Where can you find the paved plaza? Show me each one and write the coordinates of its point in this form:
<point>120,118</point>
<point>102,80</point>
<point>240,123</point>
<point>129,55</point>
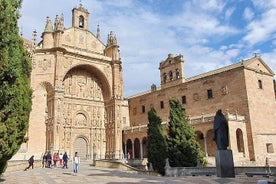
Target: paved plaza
<point>97,175</point>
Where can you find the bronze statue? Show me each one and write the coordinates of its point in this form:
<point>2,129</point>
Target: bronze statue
<point>221,131</point>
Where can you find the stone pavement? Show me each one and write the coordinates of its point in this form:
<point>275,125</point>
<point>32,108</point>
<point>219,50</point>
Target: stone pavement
<point>90,174</point>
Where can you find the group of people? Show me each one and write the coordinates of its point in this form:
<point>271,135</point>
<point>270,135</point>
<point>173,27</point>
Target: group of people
<point>51,161</point>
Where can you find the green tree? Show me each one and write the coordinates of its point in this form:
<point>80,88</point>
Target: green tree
<point>183,149</point>
<point>156,142</point>
<point>15,91</point>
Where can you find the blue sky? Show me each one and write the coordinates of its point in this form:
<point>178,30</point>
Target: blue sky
<point>209,33</point>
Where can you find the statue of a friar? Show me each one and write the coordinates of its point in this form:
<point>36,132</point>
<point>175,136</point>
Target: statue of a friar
<point>221,131</point>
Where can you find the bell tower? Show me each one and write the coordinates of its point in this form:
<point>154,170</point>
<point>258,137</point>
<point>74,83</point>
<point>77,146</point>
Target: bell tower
<point>172,71</point>
<point>80,17</point>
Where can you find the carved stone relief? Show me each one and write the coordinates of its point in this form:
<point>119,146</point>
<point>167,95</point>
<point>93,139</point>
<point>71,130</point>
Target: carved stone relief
<point>80,83</point>
<point>224,90</point>
<point>196,96</point>
<point>80,120</point>
<point>41,64</point>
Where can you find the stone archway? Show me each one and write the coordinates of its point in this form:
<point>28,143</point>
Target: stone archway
<point>129,149</point>
<point>200,140</point>
<point>212,147</point>
<point>144,147</point>
<point>80,146</point>
<point>137,148</point>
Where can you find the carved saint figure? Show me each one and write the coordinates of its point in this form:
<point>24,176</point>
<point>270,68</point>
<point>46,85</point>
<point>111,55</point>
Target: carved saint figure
<point>221,131</point>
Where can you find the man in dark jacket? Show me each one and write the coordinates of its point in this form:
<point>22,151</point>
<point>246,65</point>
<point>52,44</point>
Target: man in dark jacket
<point>65,160</point>
<point>31,163</point>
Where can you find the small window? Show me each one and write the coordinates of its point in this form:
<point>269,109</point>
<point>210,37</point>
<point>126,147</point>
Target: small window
<point>177,73</point>
<point>162,105</point>
<point>171,75</point>
<point>260,84</point>
<point>209,93</point>
<point>183,99</point>
<point>165,77</point>
<point>143,109</point>
<point>269,148</point>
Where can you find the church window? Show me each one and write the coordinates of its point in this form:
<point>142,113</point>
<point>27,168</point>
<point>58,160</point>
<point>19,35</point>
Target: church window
<point>165,77</point>
<point>184,100</point>
<point>135,111</point>
<point>143,109</point>
<point>240,142</point>
<point>209,93</point>
<point>269,148</point>
<point>260,84</point>
<point>162,104</point>
<point>81,21</point>
<point>171,75</point>
<point>177,73</point>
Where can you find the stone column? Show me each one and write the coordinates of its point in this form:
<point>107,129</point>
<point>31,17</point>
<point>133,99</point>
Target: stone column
<point>125,148</point>
<point>141,150</point>
<point>205,145</point>
<point>133,150</point>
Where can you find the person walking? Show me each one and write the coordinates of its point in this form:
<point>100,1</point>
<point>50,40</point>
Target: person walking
<point>49,159</point>
<point>55,159</point>
<point>31,163</point>
<point>44,160</point>
<point>65,160</point>
<point>76,162</point>
<point>60,159</point>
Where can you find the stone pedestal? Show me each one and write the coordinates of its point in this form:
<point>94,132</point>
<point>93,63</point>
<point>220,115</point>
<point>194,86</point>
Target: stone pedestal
<point>224,164</point>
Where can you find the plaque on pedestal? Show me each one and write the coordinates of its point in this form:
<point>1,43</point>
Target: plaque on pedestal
<point>224,164</point>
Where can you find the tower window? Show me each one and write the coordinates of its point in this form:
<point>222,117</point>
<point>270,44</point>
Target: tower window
<point>81,21</point>
<point>177,73</point>
<point>184,100</point>
<point>171,75</point>
<point>162,104</point>
<point>209,93</point>
<point>165,77</point>
<point>260,84</point>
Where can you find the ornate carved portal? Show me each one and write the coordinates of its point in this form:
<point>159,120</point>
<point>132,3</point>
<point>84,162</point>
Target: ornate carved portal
<point>84,115</point>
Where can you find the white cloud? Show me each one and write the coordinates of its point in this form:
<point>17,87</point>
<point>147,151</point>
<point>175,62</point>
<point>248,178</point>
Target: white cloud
<point>209,5</point>
<point>270,59</point>
<point>248,14</point>
<point>261,30</point>
<point>229,12</point>
<point>146,35</point>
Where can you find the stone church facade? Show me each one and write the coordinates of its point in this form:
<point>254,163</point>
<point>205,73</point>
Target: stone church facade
<point>77,87</point>
<point>78,102</point>
<point>245,93</point>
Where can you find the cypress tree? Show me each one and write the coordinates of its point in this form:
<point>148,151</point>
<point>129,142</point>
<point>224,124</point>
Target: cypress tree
<point>183,149</point>
<point>156,142</point>
<point>15,91</point>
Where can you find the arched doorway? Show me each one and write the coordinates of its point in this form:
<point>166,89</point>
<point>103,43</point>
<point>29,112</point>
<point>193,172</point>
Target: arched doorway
<point>200,139</point>
<point>80,146</point>
<point>129,149</point>
<point>212,147</point>
<point>137,148</point>
<point>144,147</point>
